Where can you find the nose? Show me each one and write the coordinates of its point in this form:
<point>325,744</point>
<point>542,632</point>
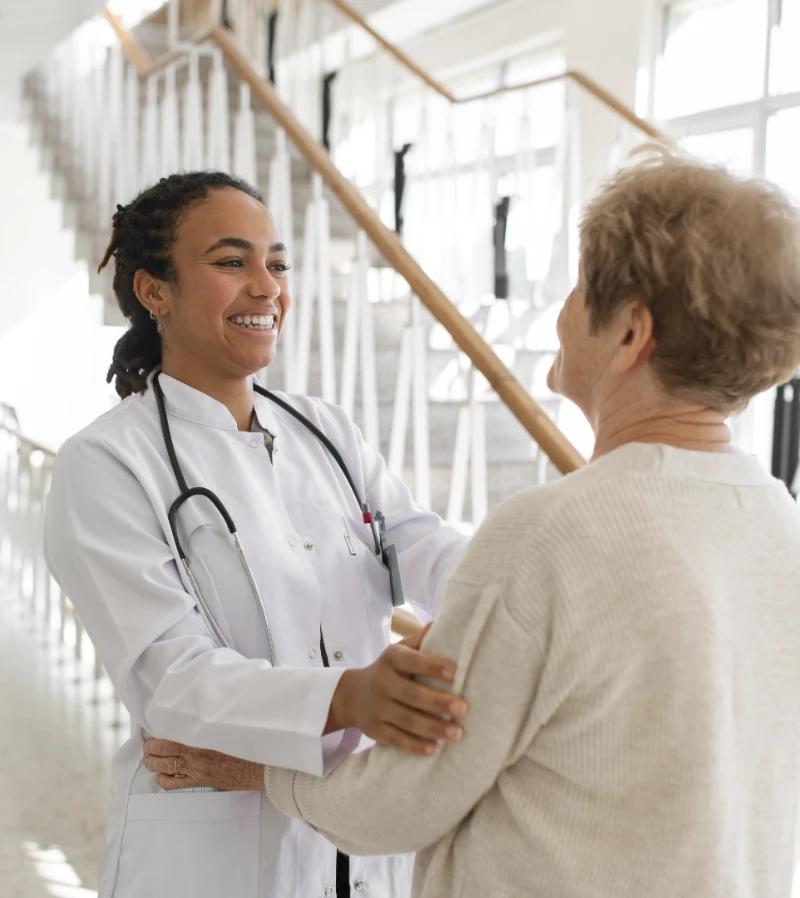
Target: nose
<point>264,284</point>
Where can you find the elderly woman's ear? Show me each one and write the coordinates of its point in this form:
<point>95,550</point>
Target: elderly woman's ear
<point>635,335</point>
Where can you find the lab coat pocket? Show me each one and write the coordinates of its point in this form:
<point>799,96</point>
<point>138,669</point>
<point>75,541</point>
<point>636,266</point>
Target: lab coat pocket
<point>373,576</point>
<point>190,845</point>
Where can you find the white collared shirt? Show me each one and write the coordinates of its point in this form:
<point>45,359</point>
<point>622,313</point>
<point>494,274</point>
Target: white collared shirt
<point>108,543</point>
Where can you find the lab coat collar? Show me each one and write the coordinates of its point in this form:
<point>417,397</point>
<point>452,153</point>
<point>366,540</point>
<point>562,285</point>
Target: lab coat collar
<point>265,414</point>
<point>193,405</point>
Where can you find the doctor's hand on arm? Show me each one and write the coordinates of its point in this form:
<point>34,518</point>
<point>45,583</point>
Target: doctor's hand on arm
<point>381,700</point>
<point>386,704</point>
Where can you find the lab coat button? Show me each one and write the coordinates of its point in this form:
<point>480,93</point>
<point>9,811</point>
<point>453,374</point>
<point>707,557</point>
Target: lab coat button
<point>292,540</point>
<point>338,656</point>
<point>254,444</point>
<point>312,653</point>
<point>309,546</point>
<point>358,885</point>
<point>328,892</point>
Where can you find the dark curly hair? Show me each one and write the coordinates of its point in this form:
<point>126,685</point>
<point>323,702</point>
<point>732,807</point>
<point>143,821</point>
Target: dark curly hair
<point>142,237</point>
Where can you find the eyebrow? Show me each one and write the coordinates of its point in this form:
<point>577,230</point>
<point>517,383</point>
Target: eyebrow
<point>241,243</point>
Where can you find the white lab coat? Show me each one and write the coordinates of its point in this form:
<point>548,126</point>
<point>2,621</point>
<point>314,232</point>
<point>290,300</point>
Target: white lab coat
<point>108,544</point>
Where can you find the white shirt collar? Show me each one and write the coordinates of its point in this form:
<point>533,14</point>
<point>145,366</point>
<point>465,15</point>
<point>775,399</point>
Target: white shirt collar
<point>193,405</point>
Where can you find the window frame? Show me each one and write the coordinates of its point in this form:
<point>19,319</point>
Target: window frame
<point>753,114</point>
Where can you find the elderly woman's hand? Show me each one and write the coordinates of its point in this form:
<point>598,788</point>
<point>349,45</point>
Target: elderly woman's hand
<point>180,767</point>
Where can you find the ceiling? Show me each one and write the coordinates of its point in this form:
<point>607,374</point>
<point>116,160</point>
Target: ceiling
<point>29,29</point>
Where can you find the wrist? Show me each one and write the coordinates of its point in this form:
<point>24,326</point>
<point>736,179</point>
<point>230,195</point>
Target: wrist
<point>340,713</point>
<point>257,774</point>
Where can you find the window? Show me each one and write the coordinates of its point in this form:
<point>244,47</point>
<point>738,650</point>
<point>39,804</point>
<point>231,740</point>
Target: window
<point>733,148</point>
<point>784,72</point>
<point>728,86</point>
<point>714,55</point>
<point>783,151</point>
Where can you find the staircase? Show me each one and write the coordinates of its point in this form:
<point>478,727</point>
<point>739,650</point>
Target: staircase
<point>512,460</point>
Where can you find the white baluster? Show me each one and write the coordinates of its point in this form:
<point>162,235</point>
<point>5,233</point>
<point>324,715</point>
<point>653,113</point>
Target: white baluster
<point>105,150</point>
<point>352,327</point>
<point>279,202</point>
<point>306,302</point>
<point>150,161</point>
<point>283,49</point>
<point>126,140</point>
<point>94,122</point>
<point>62,616</point>
<point>422,460</point>
<point>402,397</point>
<point>218,141</point>
<point>370,424</point>
<point>541,467</point>
<point>575,190</point>
<point>327,335</point>
<point>193,156</point>
<point>244,164</point>
<point>478,472</point>
<point>460,468</point>
<point>173,23</point>
<point>169,162</point>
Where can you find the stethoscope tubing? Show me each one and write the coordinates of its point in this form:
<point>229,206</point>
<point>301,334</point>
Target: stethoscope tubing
<point>172,516</point>
<point>185,493</point>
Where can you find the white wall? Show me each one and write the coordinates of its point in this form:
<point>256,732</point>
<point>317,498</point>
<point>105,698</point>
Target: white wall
<point>37,254</point>
<point>9,105</point>
<point>610,42</point>
<point>53,350</point>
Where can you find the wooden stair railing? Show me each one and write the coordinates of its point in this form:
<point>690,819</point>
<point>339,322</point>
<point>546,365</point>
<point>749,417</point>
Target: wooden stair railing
<point>528,412</point>
<point>511,392</point>
<point>603,96</point>
<point>588,84</point>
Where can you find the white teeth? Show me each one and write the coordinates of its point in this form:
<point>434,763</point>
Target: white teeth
<point>254,322</point>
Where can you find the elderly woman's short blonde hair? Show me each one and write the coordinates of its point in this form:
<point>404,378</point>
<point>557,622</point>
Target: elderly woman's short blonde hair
<point>717,261</point>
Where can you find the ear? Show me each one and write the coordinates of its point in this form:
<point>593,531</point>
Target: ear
<point>152,293</point>
<point>635,335</point>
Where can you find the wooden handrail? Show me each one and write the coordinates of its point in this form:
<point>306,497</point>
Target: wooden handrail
<point>130,46</point>
<point>529,413</point>
<point>589,84</point>
<point>406,61</point>
<point>137,55</point>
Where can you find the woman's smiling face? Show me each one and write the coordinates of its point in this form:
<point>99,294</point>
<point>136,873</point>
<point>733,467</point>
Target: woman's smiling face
<point>230,297</point>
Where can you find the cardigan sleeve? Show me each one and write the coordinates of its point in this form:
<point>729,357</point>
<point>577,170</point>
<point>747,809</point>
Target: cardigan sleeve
<point>385,801</point>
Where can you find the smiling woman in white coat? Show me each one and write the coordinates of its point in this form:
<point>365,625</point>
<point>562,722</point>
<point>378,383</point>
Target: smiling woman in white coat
<point>285,660</point>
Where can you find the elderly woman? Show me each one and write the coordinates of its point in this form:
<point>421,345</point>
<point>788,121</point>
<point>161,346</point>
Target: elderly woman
<point>628,638</point>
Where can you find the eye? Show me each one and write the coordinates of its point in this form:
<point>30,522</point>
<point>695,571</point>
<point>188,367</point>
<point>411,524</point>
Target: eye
<point>230,263</point>
<point>280,267</point>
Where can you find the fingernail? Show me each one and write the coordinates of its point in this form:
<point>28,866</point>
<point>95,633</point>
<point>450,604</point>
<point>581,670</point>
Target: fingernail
<point>458,709</point>
<point>430,749</point>
<point>454,734</point>
<point>449,673</point>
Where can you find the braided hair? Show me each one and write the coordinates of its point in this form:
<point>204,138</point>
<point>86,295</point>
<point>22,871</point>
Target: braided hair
<point>142,237</point>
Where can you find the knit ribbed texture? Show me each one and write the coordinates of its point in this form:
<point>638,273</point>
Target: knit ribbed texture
<point>628,641</point>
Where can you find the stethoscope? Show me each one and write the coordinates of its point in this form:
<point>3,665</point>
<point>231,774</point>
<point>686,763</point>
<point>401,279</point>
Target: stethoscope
<point>386,551</point>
